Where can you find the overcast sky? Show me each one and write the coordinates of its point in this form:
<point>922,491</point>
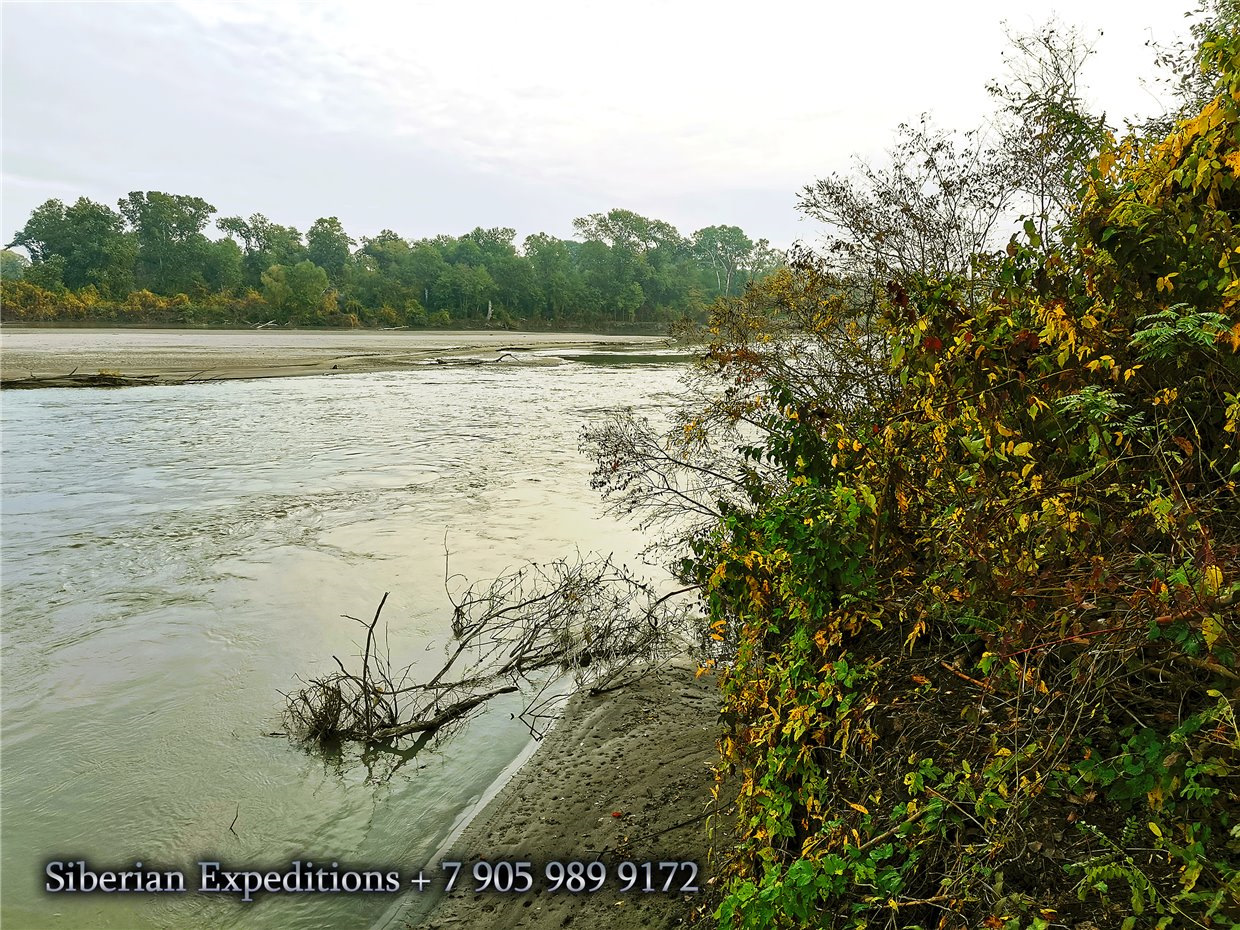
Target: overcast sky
<point>436,117</point>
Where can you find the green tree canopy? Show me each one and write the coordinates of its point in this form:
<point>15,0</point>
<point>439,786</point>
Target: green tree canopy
<point>88,240</point>
<point>329,247</point>
<point>298,292</point>
<point>172,250</point>
<point>13,265</point>
<point>264,243</point>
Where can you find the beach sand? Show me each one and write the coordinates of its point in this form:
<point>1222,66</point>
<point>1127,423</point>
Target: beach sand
<point>31,357</point>
<point>644,752</point>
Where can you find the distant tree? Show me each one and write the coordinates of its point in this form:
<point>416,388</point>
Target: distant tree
<point>726,250</point>
<point>329,247</point>
<point>648,253</point>
<point>763,260</point>
<point>629,300</point>
<point>309,285</point>
<point>515,285</point>
<point>601,276</point>
<point>299,292</point>
<point>463,251</point>
<point>276,291</point>
<point>89,239</point>
<point>423,266</point>
<point>265,244</point>
<point>555,274</point>
<point>625,229</point>
<point>467,288</point>
<point>223,269</point>
<point>380,275</point>
<point>172,250</point>
<point>48,274</point>
<point>13,265</point>
<point>494,243</point>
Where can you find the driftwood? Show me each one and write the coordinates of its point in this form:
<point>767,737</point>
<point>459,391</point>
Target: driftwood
<point>439,360</point>
<point>523,632</point>
<point>104,378</point>
<point>74,379</point>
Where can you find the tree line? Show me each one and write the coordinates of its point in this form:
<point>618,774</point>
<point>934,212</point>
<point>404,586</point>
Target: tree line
<point>151,261</point>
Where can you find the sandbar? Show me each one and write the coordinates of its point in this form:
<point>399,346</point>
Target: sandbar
<point>77,357</point>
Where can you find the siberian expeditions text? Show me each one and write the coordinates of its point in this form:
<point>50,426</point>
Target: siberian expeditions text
<point>76,876</point>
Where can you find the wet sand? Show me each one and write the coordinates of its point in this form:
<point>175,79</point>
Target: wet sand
<point>644,753</point>
<point>69,357</point>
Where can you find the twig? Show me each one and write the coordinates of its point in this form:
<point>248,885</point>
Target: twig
<point>961,675</point>
<point>875,840</point>
<point>370,635</point>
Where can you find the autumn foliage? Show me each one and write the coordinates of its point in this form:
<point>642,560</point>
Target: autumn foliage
<point>977,626</point>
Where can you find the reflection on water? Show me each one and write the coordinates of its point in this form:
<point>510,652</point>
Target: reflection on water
<point>174,556</point>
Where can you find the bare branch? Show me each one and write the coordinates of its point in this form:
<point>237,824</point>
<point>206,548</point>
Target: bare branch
<point>520,632</point>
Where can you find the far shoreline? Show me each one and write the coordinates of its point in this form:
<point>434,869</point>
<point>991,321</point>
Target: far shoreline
<point>46,357</point>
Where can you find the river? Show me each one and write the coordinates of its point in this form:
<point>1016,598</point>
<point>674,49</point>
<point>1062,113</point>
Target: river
<point>173,557</point>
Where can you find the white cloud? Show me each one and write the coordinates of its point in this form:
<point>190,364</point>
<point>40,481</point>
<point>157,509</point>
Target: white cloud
<point>639,103</point>
<point>655,95</point>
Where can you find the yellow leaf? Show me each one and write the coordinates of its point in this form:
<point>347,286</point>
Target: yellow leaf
<point>1213,578</point>
<point>1166,396</point>
<point>858,808</point>
<point>1211,630</point>
<point>1023,448</point>
<point>1154,829</point>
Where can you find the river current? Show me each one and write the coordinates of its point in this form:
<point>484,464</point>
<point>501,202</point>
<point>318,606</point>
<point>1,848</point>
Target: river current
<point>173,557</point>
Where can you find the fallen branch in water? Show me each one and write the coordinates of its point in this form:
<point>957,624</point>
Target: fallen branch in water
<point>521,632</point>
<point>105,378</point>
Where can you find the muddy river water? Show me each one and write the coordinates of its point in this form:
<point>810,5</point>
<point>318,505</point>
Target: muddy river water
<point>174,556</point>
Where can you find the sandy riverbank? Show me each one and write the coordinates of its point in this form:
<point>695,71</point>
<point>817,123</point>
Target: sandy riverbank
<point>645,753</point>
<point>69,357</point>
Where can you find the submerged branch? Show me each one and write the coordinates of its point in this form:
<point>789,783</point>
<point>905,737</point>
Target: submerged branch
<point>520,632</point>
